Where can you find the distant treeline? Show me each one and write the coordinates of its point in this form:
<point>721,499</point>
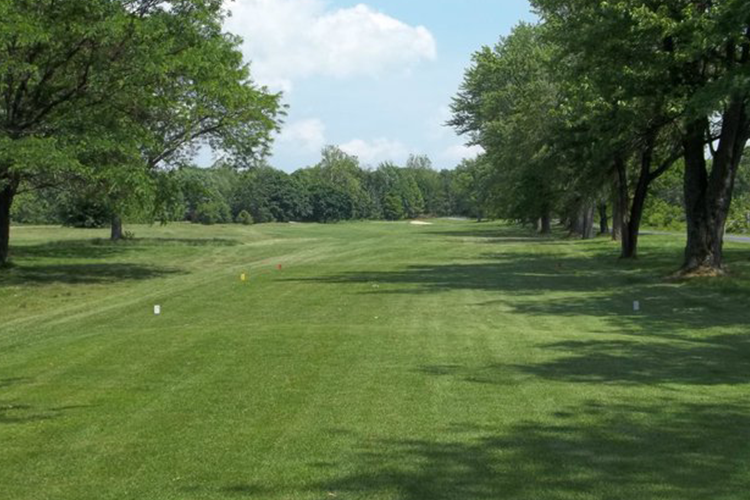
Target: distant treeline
<point>338,188</point>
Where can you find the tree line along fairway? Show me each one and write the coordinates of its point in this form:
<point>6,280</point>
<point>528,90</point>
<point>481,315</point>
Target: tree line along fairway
<point>382,361</point>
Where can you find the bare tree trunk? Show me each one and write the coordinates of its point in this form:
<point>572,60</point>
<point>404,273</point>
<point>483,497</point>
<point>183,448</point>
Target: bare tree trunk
<point>708,197</point>
<point>617,221</point>
<point>699,251</point>
<point>6,201</point>
<point>546,223</point>
<point>116,232</point>
<point>632,226</point>
<point>588,214</point>
<point>622,201</point>
<point>603,218</point>
<point>577,222</point>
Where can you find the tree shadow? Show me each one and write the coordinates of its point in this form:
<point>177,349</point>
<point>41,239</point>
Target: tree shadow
<point>14,413</point>
<point>12,381</point>
<point>40,264</point>
<point>717,360</point>
<point>77,274</point>
<point>520,273</point>
<point>714,360</point>
<point>491,230</point>
<point>239,489</point>
<point>103,248</point>
<point>666,452</point>
<point>590,283</point>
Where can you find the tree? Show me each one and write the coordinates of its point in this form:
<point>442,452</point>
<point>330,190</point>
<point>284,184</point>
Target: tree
<point>506,105</point>
<point>472,190</point>
<point>688,92</point>
<point>66,69</point>
<point>621,121</point>
<point>134,80</point>
<point>270,196</point>
<point>429,184</point>
<point>393,207</point>
<point>203,94</point>
<point>711,58</point>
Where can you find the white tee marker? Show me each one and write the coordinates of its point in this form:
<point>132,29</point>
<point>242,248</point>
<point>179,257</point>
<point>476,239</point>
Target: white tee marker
<point>636,306</point>
<point>157,310</point>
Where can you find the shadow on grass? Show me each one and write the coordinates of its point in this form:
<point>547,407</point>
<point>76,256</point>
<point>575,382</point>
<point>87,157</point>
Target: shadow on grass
<point>103,248</point>
<point>716,360</point>
<point>516,272</point>
<point>492,230</point>
<point>39,275</point>
<point>13,413</point>
<point>666,452</point>
<point>586,282</point>
<point>45,263</point>
<point>10,382</point>
<point>237,490</point>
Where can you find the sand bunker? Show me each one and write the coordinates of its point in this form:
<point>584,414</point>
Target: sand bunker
<point>420,223</point>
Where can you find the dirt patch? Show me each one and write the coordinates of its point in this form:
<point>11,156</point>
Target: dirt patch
<point>700,272</point>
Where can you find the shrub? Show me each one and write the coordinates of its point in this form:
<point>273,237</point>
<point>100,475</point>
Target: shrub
<point>244,218</point>
<point>212,212</point>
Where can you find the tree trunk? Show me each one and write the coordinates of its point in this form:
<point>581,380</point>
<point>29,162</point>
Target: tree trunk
<point>700,245</point>
<point>603,218</point>
<point>6,201</point>
<point>588,215</point>
<point>632,226</point>
<point>116,233</point>
<point>546,223</point>
<point>708,197</point>
<point>617,221</point>
<point>622,202</point>
<point>577,222</point>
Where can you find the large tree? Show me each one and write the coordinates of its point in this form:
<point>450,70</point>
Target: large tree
<point>681,68</point>
<point>506,105</point>
<point>622,116</point>
<point>203,96</point>
<point>93,87</point>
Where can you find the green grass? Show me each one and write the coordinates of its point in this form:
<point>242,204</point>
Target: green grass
<point>384,361</point>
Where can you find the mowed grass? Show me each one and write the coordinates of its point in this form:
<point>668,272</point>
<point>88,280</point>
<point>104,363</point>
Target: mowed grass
<point>383,361</point>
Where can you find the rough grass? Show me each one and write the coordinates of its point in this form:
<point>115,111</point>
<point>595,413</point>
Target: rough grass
<point>384,361</point>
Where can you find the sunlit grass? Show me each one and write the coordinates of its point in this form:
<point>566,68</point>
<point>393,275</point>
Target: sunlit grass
<point>382,361</point>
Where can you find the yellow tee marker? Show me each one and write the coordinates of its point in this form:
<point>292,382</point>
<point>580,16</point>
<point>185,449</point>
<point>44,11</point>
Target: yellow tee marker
<point>243,277</point>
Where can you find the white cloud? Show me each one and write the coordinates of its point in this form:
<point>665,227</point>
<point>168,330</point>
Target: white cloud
<point>291,39</point>
<point>460,152</point>
<point>376,151</point>
<point>309,135</point>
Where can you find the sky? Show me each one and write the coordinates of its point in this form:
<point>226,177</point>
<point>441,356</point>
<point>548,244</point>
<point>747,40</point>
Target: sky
<point>374,78</point>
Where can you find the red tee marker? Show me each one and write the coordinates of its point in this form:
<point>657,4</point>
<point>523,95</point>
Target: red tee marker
<point>279,267</point>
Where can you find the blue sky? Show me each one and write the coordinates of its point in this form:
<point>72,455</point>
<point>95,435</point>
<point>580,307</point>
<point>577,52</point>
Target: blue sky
<point>375,78</point>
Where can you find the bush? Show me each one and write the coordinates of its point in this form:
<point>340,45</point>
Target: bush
<point>663,215</point>
<point>35,208</point>
<point>212,212</point>
<point>739,215</point>
<point>244,218</point>
<point>85,211</point>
